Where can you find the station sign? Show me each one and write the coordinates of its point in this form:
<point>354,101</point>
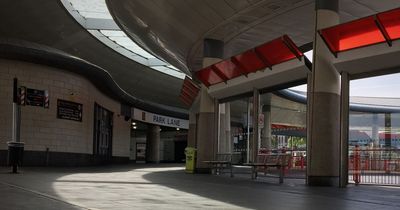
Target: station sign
<point>157,119</point>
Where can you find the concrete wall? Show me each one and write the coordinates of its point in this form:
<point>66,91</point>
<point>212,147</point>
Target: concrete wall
<point>40,128</point>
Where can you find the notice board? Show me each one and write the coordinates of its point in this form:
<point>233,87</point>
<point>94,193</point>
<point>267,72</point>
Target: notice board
<point>69,110</point>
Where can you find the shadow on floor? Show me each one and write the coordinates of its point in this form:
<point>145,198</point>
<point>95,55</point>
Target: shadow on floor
<point>121,184</point>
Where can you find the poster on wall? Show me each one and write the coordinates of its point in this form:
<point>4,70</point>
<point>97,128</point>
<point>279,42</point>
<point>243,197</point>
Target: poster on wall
<point>69,110</point>
<point>35,97</point>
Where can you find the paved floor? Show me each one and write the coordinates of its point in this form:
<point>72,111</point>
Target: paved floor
<point>166,186</point>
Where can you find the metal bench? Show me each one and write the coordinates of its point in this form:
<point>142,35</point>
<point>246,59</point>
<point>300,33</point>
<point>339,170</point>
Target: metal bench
<point>265,161</point>
<point>223,161</point>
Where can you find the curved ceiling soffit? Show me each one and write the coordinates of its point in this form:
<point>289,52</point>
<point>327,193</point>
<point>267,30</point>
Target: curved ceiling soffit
<point>239,24</point>
<point>240,21</point>
<point>241,28</point>
<point>146,38</point>
<point>44,55</point>
<point>226,28</point>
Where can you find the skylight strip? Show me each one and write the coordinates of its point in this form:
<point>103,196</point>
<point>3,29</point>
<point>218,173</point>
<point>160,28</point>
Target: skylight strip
<point>95,17</point>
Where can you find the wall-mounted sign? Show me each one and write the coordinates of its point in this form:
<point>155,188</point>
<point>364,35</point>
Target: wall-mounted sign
<point>156,119</point>
<point>69,110</point>
<point>261,121</point>
<point>35,97</point>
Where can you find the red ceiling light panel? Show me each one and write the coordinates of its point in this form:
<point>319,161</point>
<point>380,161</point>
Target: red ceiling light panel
<point>383,27</point>
<point>267,55</point>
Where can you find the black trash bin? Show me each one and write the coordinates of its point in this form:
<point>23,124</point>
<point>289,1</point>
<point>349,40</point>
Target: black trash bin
<point>15,154</point>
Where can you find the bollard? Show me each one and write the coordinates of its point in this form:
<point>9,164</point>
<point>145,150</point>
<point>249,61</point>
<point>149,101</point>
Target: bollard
<point>15,155</point>
<point>356,174</point>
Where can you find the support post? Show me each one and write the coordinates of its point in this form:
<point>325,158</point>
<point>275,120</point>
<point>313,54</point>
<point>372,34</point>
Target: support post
<point>266,136</point>
<point>375,130</point>
<point>16,113</point>
<point>254,142</point>
<point>153,144</point>
<point>324,115</point>
<point>207,116</point>
<point>388,130</point>
<point>248,131</point>
<point>344,130</point>
<point>217,130</point>
<point>228,134</point>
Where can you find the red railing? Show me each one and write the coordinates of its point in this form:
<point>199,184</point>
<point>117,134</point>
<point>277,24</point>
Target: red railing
<point>366,166</point>
<point>374,166</point>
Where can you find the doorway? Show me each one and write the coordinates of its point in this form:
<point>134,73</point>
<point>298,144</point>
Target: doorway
<point>102,137</point>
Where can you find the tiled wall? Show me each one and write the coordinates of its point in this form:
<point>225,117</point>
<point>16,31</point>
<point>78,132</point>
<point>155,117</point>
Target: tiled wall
<point>40,128</point>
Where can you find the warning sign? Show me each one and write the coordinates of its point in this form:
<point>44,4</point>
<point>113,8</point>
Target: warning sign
<point>261,120</point>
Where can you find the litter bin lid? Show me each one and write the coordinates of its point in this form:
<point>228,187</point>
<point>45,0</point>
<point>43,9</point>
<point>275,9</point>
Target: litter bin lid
<point>15,144</point>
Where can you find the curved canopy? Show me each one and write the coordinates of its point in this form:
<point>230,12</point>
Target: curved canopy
<point>176,29</point>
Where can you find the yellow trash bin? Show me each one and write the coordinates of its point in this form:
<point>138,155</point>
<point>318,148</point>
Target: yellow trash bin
<point>190,153</point>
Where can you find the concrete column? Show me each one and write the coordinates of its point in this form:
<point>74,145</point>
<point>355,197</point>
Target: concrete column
<point>324,138</point>
<point>266,140</point>
<point>206,136</point>
<point>192,128</point>
<point>153,144</point>
<point>375,129</point>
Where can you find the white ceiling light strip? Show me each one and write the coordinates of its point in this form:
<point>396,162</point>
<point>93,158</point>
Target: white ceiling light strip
<point>95,17</point>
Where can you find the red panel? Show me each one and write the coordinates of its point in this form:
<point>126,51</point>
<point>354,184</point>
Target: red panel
<point>188,86</point>
<point>208,76</point>
<point>390,20</point>
<point>249,61</point>
<point>269,54</point>
<point>189,91</point>
<point>358,33</point>
<point>293,46</point>
<point>186,101</point>
<point>275,51</point>
<point>229,69</point>
<point>187,94</point>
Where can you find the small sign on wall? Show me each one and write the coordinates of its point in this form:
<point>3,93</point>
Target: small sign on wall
<point>69,110</point>
<point>35,97</point>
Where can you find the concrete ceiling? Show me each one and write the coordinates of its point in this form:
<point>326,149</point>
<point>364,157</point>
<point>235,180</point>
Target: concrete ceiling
<point>47,22</point>
<point>175,29</point>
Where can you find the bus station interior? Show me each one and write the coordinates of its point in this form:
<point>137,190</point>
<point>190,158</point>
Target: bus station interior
<point>112,97</point>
